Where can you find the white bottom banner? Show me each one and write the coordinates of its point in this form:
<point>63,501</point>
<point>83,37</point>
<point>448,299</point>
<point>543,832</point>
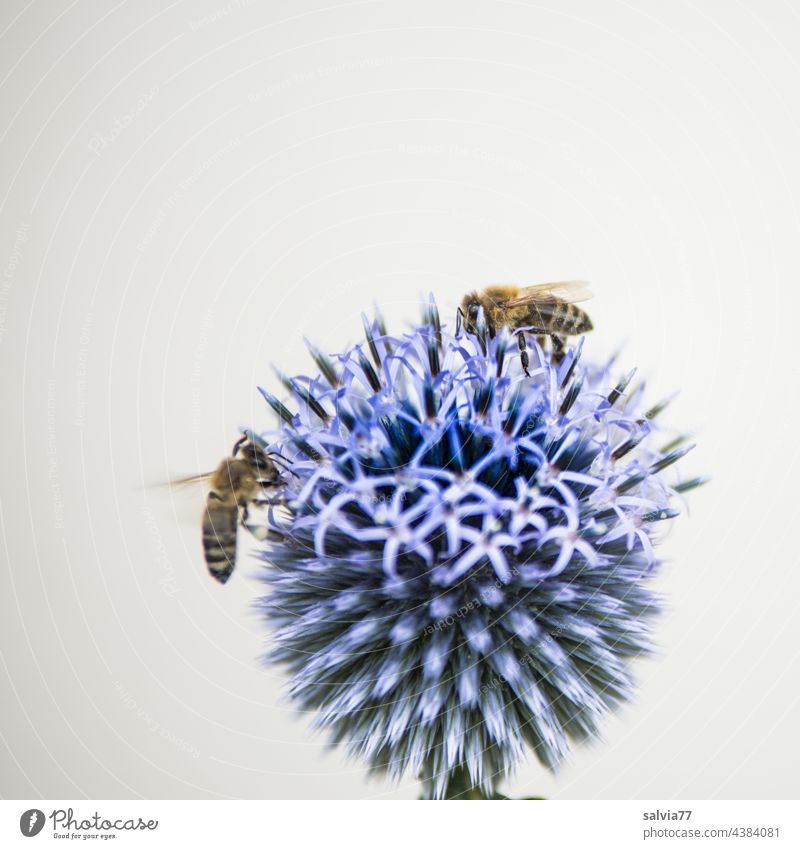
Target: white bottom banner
<point>388,824</point>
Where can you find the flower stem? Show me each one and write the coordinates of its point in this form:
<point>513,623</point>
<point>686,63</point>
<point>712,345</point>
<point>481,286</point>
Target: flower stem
<point>460,786</point>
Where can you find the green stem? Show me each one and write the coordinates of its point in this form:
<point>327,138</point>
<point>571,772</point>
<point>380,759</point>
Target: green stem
<point>460,786</point>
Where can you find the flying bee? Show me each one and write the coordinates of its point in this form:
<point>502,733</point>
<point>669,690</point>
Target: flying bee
<point>547,310</point>
<point>249,476</point>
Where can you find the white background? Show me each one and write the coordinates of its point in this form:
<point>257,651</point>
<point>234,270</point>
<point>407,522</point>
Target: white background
<point>187,189</point>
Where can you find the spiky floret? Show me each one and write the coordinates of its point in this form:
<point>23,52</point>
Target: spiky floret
<point>462,568</point>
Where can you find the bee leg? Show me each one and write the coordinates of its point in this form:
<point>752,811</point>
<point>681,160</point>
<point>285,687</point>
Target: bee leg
<point>558,348</point>
<point>263,534</point>
<point>266,500</point>
<point>258,531</point>
<point>523,353</point>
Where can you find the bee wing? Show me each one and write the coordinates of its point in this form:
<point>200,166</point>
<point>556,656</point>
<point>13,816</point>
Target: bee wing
<point>184,483</point>
<point>570,291</point>
<point>186,496</point>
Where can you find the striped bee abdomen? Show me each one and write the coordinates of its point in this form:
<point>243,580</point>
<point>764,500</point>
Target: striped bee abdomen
<point>562,317</point>
<point>220,522</point>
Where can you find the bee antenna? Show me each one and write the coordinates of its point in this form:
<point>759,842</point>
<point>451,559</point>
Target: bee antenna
<point>459,317</point>
<point>282,462</point>
<point>238,444</point>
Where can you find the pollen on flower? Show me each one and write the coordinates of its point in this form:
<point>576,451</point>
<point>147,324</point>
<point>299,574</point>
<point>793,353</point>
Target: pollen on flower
<point>460,573</point>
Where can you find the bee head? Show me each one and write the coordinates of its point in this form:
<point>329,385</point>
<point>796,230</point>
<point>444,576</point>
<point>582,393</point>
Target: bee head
<point>267,464</point>
<point>254,455</point>
<point>468,311</point>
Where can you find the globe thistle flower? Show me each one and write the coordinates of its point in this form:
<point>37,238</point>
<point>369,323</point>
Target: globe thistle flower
<point>460,569</point>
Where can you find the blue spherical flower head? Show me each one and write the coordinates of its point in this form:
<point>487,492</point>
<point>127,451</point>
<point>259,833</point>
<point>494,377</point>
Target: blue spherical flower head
<point>460,570</point>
